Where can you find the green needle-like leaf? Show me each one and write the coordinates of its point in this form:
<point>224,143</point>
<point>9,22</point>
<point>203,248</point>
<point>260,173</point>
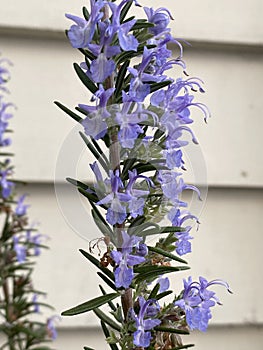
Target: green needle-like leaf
<point>154,292</point>
<point>96,262</point>
<point>107,334</point>
<point>93,150</point>
<point>151,272</point>
<point>158,86</point>
<point>103,291</point>
<point>90,305</point>
<point>166,254</point>
<point>171,330</point>
<point>106,319</point>
<point>69,112</point>
<point>120,78</point>
<point>169,229</point>
<point>85,13</point>
<point>107,281</point>
<point>125,10</point>
<point>183,347</point>
<point>85,79</point>
<point>163,294</point>
<point>141,25</point>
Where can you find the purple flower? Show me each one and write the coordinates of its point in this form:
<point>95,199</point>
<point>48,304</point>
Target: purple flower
<point>95,124</point>
<point>51,328</point>
<point>145,322</point>
<point>116,213</point>
<point>174,158</point>
<point>129,123</point>
<point>81,33</point>
<point>183,245</point>
<point>179,104</point>
<point>164,284</point>
<point>21,208</point>
<point>4,118</point>
<point>35,303</point>
<point>160,18</point>
<point>125,259</point>
<point>127,41</point>
<point>197,300</point>
<point>6,185</point>
<point>35,240</point>
<point>139,84</point>
<point>4,73</point>
<point>101,68</point>
<point>20,250</point>
<point>137,194</point>
<point>173,186</point>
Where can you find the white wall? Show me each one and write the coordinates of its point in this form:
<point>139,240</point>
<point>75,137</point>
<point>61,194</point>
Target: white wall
<point>227,54</point>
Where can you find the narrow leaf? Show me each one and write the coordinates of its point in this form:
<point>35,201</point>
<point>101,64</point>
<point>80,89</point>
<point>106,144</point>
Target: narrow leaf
<point>107,281</point>
<point>171,330</point>
<point>90,305</point>
<point>169,229</point>
<point>73,115</point>
<point>78,183</point>
<point>107,334</point>
<point>91,197</point>
<point>183,347</point>
<point>101,219</point>
<point>140,230</point>
<point>120,78</point>
<point>94,152</point>
<point>96,262</point>
<point>163,294</point>
<point>151,272</point>
<point>106,319</point>
<point>85,13</point>
<point>158,86</point>
<point>154,292</point>
<point>142,25</point>
<point>85,79</point>
<point>166,254</point>
<point>125,10</point>
<point>111,305</point>
<point>97,146</point>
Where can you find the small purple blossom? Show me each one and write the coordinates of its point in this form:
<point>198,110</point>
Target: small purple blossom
<point>116,212</point>
<point>6,185</point>
<point>81,33</point>
<point>164,284</point>
<point>137,195</point>
<point>173,185</point>
<point>197,300</point>
<point>51,327</point>
<point>125,259</point>
<point>160,18</point>
<point>174,158</point>
<point>35,240</point>
<point>20,250</point>
<point>101,68</point>
<point>35,303</point>
<point>145,321</point>
<point>4,118</point>
<point>178,217</point>
<point>21,208</point>
<point>4,72</point>
<point>127,41</point>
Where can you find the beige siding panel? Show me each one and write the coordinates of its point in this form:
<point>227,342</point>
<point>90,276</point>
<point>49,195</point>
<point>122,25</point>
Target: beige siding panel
<point>230,149</point>
<point>222,21</point>
<point>227,245</point>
